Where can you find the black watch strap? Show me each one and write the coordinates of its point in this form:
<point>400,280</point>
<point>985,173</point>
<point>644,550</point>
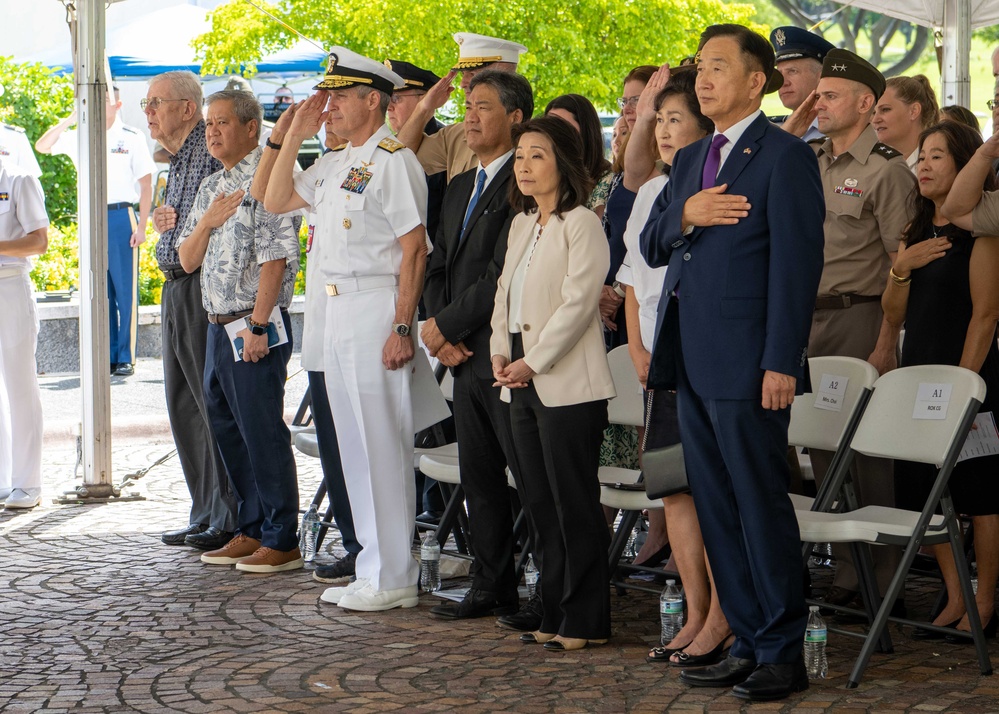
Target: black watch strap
<point>272,145</point>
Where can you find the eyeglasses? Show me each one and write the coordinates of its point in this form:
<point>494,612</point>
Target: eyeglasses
<point>155,102</point>
<point>623,102</point>
<point>991,104</point>
<point>399,96</point>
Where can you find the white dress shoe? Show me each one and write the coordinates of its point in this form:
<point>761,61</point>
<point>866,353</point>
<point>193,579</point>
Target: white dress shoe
<point>367,599</point>
<point>23,498</point>
<point>4,492</point>
<point>333,595</point>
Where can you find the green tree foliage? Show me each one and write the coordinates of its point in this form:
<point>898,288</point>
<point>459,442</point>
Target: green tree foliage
<point>582,47</point>
<point>34,99</point>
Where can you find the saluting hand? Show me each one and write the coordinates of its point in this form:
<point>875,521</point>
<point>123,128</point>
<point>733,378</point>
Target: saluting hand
<point>990,149</point>
<point>645,110</point>
<point>283,124</point>
<point>439,93</point>
<point>222,209</point>
<point>309,116</point>
<point>802,117</point>
<point>714,207</point>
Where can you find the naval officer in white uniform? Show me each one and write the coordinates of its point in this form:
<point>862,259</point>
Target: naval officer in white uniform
<point>369,197</point>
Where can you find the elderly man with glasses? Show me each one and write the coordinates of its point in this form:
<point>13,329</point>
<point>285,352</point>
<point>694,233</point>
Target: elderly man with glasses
<point>174,116</point>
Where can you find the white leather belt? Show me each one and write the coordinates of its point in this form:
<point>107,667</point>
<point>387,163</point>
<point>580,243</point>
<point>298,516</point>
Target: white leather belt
<point>9,271</point>
<point>356,285</point>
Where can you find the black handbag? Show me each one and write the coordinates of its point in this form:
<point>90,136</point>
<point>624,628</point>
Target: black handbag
<point>663,469</point>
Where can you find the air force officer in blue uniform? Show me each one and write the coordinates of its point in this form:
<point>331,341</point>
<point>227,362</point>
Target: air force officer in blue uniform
<point>740,227</point>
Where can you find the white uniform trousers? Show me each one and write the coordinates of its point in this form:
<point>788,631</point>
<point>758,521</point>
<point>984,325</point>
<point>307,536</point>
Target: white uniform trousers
<point>372,410</point>
<point>20,400</point>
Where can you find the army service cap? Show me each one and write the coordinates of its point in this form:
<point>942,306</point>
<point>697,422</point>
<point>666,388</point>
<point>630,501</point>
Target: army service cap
<point>845,64</point>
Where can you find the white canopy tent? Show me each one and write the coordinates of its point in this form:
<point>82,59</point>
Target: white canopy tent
<point>957,19</point>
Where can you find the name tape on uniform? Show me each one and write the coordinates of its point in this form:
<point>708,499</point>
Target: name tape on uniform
<point>831,392</point>
<point>932,401</point>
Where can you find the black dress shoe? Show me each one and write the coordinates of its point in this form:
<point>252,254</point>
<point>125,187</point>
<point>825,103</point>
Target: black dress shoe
<point>477,603</point>
<point>989,630</point>
<point>431,517</point>
<point>114,366</point>
<point>773,681</point>
<point>209,539</point>
<point>124,369</point>
<point>839,596</point>
<point>177,537</point>
<point>727,673</point>
<point>527,618</point>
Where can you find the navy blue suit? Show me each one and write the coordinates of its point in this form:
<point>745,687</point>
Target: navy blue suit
<point>746,296</point>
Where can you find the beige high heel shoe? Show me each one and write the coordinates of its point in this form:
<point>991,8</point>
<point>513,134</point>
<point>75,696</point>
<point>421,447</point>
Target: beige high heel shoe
<point>567,644</point>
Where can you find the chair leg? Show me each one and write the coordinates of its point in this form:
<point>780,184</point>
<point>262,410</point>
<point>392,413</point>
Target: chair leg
<point>881,619</point>
<point>869,591</point>
<point>324,525</point>
<point>964,577</point>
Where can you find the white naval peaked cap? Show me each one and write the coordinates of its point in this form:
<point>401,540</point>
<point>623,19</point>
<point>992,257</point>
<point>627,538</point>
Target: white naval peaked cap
<point>349,69</point>
<point>481,50</point>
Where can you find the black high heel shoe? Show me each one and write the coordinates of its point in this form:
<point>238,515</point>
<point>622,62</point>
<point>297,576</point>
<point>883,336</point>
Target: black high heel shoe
<point>920,634</point>
<point>713,657</point>
<point>989,630</point>
<point>662,654</point>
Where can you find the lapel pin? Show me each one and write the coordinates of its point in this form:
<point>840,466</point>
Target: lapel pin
<point>747,150</point>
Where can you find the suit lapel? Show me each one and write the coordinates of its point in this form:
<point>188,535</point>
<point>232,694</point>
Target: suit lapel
<point>487,195</point>
<point>743,151</point>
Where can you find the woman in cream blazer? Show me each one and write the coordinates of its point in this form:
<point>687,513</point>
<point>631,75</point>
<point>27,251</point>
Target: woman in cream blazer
<point>548,357</point>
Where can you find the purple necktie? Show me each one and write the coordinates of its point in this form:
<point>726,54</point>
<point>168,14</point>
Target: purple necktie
<point>710,175</point>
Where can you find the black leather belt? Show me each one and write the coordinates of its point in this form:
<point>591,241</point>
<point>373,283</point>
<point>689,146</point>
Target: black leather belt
<point>842,302</point>
<point>226,319</point>
<point>119,206</point>
<point>175,273</point>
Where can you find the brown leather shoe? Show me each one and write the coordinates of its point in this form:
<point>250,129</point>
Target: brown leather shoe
<point>268,560</point>
<point>232,552</point>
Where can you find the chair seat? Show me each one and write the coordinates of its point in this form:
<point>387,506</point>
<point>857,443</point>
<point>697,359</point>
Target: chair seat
<point>610,475</point>
<point>871,524</point>
<point>448,450</point>
<point>441,467</point>
<point>801,503</point>
<point>627,500</point>
<point>297,429</point>
<point>307,443</point>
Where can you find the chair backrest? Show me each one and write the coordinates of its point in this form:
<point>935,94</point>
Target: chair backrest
<point>820,418</point>
<point>628,407</point>
<point>895,426</point>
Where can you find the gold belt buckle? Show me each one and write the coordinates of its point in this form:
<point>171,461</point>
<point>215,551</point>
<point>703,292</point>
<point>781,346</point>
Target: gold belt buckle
<point>331,290</point>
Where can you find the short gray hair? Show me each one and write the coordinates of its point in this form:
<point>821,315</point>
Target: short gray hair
<point>383,98</point>
<point>244,105</point>
<point>185,85</point>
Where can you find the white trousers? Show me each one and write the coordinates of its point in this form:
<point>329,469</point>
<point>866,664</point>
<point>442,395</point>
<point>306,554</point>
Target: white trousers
<point>20,400</point>
<point>372,410</point>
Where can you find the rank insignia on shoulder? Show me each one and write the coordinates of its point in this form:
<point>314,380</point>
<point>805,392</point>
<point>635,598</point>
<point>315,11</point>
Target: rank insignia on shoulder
<point>340,148</point>
<point>676,244</point>
<point>4,196</point>
<point>886,151</point>
<point>390,145</point>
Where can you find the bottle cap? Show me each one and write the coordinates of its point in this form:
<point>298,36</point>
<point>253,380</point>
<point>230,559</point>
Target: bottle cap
<point>670,583</point>
<point>813,608</point>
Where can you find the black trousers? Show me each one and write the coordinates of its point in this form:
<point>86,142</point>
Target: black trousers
<point>329,456</point>
<point>482,422</point>
<point>184,338</point>
<point>557,451</point>
<point>736,457</point>
<point>245,403</point>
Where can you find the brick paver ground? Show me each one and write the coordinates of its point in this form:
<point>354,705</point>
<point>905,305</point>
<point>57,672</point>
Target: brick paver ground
<point>97,615</point>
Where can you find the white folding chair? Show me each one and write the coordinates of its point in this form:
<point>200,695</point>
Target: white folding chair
<point>902,421</point>
<point>618,485</point>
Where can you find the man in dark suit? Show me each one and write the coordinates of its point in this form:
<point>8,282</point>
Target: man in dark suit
<point>459,295</point>
<point>740,226</point>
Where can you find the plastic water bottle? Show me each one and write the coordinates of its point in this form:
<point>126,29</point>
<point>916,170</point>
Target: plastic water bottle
<point>531,576</point>
<point>816,635</point>
<point>430,563</point>
<point>632,547</point>
<point>821,555</point>
<point>308,536</point>
<point>670,611</point>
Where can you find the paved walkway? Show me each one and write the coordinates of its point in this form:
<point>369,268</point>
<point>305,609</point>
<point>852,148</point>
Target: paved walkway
<point>99,616</point>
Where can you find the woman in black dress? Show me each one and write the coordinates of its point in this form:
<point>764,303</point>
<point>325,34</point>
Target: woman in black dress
<point>944,287</point>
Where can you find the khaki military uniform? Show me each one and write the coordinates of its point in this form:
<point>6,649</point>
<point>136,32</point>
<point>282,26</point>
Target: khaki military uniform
<point>866,191</point>
<point>448,151</point>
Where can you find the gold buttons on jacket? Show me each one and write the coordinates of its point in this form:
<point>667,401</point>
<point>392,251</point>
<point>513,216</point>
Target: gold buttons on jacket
<point>527,328</point>
<point>346,223</point>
